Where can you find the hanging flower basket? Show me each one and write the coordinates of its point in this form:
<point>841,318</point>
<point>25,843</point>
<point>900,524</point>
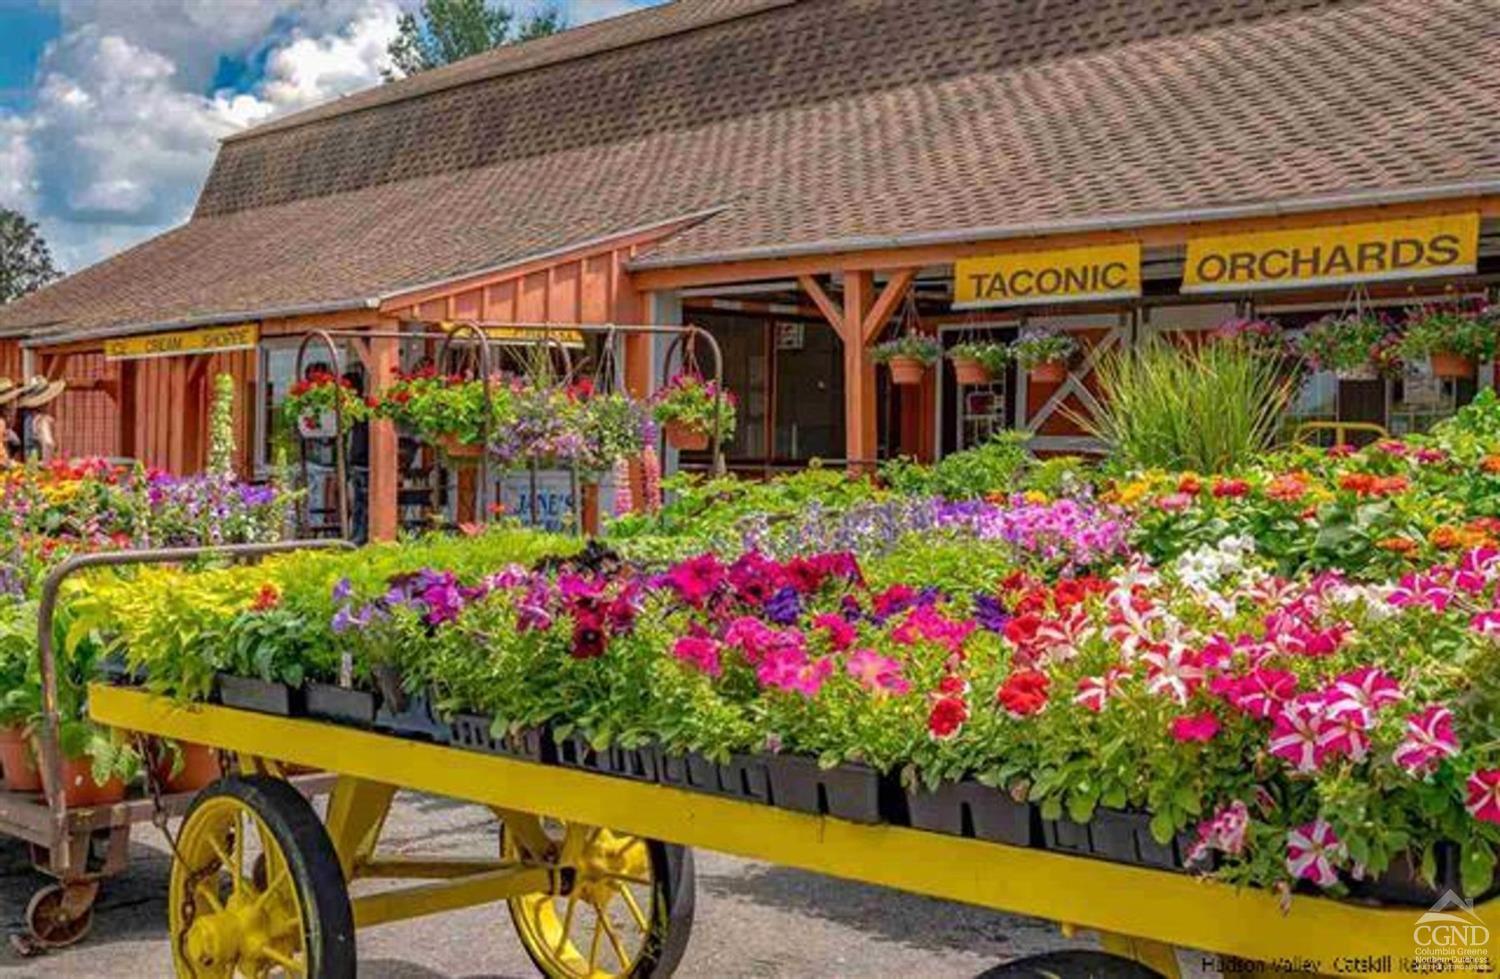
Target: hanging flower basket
<point>1050,372</point>
<point>686,438</point>
<point>906,371</point>
<point>970,372</point>
<point>459,452</point>
<point>1451,366</point>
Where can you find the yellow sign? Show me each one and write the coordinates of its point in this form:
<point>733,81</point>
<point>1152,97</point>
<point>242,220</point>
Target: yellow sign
<point>1404,249</point>
<point>520,336</point>
<point>1030,278</point>
<point>241,336</point>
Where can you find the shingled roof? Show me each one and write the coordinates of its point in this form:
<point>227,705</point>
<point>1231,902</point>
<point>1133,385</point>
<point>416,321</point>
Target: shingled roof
<point>807,124</point>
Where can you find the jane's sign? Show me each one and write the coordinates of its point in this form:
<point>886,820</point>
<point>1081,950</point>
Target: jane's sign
<point>1405,249</point>
<point>242,336</point>
<point>1031,278</point>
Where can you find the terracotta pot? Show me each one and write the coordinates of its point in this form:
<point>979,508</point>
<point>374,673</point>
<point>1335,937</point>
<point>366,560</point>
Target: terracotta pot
<point>970,371</point>
<point>458,451</point>
<point>200,767</point>
<point>19,761</point>
<point>79,789</point>
<point>1052,372</point>
<point>906,371</point>
<point>1450,365</point>
<point>685,438</point>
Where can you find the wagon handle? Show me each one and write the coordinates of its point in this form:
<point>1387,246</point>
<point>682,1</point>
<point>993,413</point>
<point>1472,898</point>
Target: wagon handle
<point>50,734</point>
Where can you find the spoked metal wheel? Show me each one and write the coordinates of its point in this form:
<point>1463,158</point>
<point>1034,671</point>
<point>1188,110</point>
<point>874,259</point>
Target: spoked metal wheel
<point>256,889</point>
<point>625,908</point>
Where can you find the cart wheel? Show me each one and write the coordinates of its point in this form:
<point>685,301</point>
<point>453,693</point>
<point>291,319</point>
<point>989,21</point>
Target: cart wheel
<point>61,914</point>
<point>1071,965</point>
<point>626,908</point>
<point>290,917</point>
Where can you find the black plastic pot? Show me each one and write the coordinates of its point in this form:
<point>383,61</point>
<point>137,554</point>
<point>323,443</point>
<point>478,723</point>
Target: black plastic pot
<point>476,733</point>
<point>1401,883</point>
<point>247,693</point>
<point>341,705</point>
<point>639,764</point>
<point>848,791</point>
<point>742,777</point>
<point>117,673</point>
<point>412,717</point>
<point>973,810</point>
<point>1114,834</point>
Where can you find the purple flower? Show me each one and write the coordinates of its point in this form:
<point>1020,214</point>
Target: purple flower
<point>989,613</point>
<point>784,607</point>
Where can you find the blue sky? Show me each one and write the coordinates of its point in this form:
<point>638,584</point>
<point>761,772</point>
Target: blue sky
<point>111,110</point>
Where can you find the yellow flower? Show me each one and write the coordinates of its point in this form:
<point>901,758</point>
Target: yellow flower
<point>1035,497</point>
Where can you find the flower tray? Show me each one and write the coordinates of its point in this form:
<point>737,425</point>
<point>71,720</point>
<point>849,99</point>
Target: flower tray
<point>848,791</point>
<point>1401,883</point>
<point>639,764</point>
<point>415,719</point>
<point>247,693</point>
<point>973,810</point>
<point>742,777</point>
<point>341,705</point>
<point>1123,837</point>
<point>476,733</point>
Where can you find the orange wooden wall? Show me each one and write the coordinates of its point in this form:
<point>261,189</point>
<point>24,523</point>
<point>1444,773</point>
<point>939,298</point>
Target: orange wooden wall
<point>10,360</point>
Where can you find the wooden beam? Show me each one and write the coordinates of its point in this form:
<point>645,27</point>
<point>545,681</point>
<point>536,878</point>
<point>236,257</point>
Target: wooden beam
<point>821,299</point>
<point>385,476</point>
<point>859,372</point>
<point>894,292</point>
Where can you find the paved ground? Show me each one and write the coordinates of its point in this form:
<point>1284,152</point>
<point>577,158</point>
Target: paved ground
<point>753,920</point>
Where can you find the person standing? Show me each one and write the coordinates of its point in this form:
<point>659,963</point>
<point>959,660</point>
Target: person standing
<point>39,427</point>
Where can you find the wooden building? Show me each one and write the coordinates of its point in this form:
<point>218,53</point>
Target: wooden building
<point>792,174</point>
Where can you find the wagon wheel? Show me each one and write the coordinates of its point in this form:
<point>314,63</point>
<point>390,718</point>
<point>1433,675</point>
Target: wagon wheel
<point>61,914</point>
<point>625,908</point>
<point>256,888</point>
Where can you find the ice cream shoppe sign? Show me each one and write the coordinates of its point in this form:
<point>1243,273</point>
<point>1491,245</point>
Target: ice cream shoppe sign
<point>1410,248</point>
<point>219,339</point>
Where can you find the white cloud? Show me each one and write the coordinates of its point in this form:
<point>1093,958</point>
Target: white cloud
<point>125,126</point>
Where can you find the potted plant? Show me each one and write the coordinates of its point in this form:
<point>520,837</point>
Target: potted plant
<point>316,397</point>
<point>449,411</point>
<point>1043,352</point>
<point>1454,340</point>
<point>687,407</point>
<point>264,663</point>
<point>97,764</point>
<point>1345,345</point>
<point>908,356</point>
<point>977,362</point>
<point>183,766</point>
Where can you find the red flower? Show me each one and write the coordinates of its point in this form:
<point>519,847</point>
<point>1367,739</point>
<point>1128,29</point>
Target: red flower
<point>1230,488</point>
<point>1024,692</point>
<point>1021,629</point>
<point>1189,484</point>
<point>266,599</point>
<point>1196,727</point>
<point>947,717</point>
<point>1068,593</point>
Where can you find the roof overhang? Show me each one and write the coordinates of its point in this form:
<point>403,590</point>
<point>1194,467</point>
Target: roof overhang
<point>86,334</point>
<point>1103,222</point>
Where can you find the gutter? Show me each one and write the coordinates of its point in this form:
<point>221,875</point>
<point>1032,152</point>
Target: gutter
<point>216,319</point>
<point>1106,222</point>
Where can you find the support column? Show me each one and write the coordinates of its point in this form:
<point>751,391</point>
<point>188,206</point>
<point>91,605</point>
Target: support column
<point>385,474</point>
<point>859,371</point>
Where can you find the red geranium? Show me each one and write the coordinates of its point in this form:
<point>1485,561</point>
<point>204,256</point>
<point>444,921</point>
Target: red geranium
<point>1024,692</point>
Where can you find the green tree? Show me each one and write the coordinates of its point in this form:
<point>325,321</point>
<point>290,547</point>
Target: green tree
<point>444,31</point>
<point>25,259</point>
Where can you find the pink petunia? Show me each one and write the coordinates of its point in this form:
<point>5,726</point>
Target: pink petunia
<point>1313,852</point>
<point>840,633</point>
<point>1365,689</point>
<point>700,652</point>
<point>1198,728</point>
<point>1428,740</point>
<point>1096,691</point>
<point>1261,692</point>
<point>1484,795</point>
<point>1424,590</point>
<point>1297,731</point>
<point>1175,671</point>
<point>1486,623</point>
<point>1225,832</point>
<point>1345,735</point>
<point>877,673</point>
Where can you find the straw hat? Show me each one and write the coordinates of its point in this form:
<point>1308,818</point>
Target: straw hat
<point>39,392</point>
<point>9,390</point>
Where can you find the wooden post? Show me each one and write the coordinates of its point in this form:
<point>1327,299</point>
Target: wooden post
<point>859,370</point>
<point>385,474</point>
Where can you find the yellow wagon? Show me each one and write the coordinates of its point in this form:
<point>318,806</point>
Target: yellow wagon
<point>598,874</point>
